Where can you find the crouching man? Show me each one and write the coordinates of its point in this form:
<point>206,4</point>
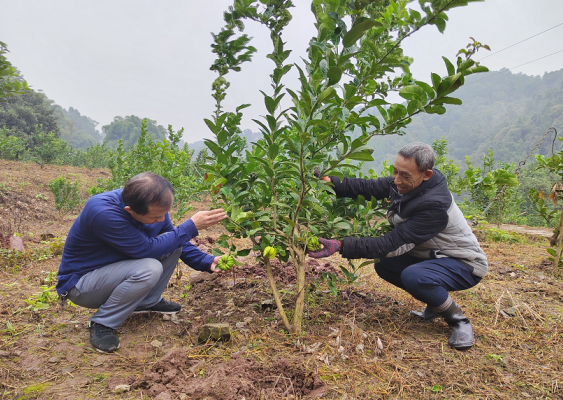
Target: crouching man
<point>431,249</point>
<point>122,250</point>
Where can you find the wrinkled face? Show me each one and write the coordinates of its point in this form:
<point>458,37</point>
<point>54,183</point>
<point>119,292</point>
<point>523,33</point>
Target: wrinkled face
<point>154,215</point>
<point>406,174</point>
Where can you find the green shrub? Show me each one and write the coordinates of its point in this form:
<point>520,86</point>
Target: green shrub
<point>164,157</point>
<point>499,235</point>
<point>66,192</point>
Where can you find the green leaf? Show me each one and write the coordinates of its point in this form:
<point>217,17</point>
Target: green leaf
<point>334,74</point>
<point>273,150</point>
<point>211,125</point>
<point>357,31</point>
<point>449,66</point>
<point>427,88</point>
<point>323,65</point>
<point>364,155</point>
<point>413,92</point>
<point>270,104</point>
<point>216,252</point>
<point>447,100</point>
<point>213,147</point>
<point>326,94</point>
<point>436,80</point>
<point>243,253</point>
<point>242,106</point>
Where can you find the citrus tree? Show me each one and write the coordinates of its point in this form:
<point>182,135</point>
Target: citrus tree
<point>354,62</point>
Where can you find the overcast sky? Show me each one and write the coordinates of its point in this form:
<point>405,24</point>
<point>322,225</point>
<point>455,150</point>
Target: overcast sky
<point>151,59</point>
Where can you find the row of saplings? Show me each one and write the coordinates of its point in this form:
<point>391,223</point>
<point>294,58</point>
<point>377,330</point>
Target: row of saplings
<point>227,261</point>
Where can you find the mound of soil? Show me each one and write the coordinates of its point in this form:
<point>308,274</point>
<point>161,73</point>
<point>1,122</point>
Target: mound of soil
<point>285,273</point>
<point>240,377</point>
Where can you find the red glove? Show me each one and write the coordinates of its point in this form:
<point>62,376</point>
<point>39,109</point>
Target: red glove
<point>330,246</point>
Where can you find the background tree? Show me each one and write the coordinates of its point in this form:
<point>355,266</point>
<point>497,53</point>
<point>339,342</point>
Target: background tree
<point>353,63</point>
<point>27,114</point>
<point>11,82</point>
<point>128,130</point>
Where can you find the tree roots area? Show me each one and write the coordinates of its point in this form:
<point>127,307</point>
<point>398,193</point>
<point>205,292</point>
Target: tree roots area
<point>358,344</point>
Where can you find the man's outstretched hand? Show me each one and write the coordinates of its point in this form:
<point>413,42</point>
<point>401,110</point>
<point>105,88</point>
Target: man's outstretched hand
<point>215,268</point>
<point>205,219</point>
<point>330,246</point>
<point>318,175</point>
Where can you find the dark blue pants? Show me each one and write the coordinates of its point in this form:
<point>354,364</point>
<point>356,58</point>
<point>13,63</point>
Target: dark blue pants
<point>426,280</point>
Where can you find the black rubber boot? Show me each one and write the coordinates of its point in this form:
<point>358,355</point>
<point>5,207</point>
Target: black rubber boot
<point>462,332</point>
<point>428,314</point>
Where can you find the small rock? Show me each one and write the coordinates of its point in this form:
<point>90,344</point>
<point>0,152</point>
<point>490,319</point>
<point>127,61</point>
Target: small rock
<point>540,275</point>
<point>163,396</point>
<point>214,332</point>
<point>47,236</point>
<point>121,389</point>
<point>182,396</point>
<point>4,353</point>
<point>54,360</point>
<point>97,363</point>
<point>267,304</point>
<point>198,277</point>
<point>67,370</point>
<point>16,243</point>
<point>510,311</point>
<point>171,317</point>
<point>156,343</point>
<point>198,367</point>
<point>240,324</point>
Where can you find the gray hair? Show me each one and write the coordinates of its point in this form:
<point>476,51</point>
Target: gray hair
<point>422,153</point>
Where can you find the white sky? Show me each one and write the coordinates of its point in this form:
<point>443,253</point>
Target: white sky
<point>110,58</point>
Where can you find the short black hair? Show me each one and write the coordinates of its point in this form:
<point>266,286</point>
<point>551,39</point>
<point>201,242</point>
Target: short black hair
<point>147,189</point>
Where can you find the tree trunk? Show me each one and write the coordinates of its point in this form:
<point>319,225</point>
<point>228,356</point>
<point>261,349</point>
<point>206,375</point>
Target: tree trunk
<point>277,299</point>
<point>559,240</point>
<point>300,301</point>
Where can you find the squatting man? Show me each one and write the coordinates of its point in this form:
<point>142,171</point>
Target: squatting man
<point>431,249</point>
<point>122,250</point>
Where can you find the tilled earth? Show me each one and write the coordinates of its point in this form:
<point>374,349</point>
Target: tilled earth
<point>359,344</point>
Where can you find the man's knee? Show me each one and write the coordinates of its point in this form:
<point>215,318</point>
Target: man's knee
<point>149,270</point>
<point>413,278</point>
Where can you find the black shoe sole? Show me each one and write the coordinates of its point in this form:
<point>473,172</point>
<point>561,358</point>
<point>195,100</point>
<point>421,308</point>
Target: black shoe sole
<point>152,311</point>
<point>421,318</point>
<point>106,352</point>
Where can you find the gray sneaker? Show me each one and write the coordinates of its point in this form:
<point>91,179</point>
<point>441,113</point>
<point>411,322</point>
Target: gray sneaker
<point>103,338</point>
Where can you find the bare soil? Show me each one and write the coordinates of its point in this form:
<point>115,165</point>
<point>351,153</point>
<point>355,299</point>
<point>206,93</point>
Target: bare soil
<point>360,344</point>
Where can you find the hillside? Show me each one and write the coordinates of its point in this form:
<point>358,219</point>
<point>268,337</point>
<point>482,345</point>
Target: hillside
<point>505,112</point>
<point>360,344</point>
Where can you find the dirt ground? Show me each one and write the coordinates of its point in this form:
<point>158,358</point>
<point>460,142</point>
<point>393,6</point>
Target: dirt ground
<point>360,344</point>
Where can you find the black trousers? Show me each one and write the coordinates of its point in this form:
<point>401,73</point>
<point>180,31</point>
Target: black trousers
<point>426,280</point>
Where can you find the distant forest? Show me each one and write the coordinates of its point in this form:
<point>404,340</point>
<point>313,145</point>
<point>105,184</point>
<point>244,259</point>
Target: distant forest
<point>505,112</point>
<point>501,111</point>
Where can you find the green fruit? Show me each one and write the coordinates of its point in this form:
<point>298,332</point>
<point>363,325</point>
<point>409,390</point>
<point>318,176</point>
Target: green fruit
<point>314,244</point>
<point>226,262</point>
<point>270,252</point>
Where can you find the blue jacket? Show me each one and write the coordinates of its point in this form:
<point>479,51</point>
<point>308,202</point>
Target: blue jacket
<point>104,233</point>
